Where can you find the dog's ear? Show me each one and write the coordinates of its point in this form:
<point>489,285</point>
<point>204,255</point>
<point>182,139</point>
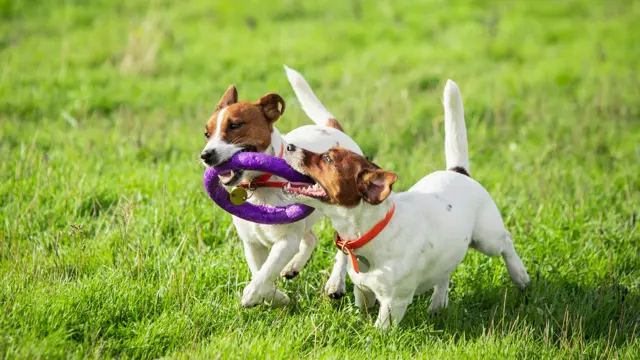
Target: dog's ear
<point>230,97</point>
<point>374,185</point>
<point>272,106</point>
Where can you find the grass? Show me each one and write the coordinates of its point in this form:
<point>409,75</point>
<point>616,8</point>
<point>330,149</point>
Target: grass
<point>109,246</point>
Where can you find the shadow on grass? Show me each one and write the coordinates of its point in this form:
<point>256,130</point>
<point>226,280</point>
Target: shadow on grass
<point>550,310</point>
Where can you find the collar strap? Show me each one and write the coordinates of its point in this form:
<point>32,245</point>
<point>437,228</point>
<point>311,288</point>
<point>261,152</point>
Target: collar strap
<point>263,180</point>
<point>347,246</point>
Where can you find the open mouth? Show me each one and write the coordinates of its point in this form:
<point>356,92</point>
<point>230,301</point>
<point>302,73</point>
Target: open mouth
<point>315,191</point>
<point>229,177</point>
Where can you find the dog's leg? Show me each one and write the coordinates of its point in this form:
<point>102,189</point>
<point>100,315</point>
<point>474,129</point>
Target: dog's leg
<point>440,297</point>
<point>391,311</point>
<point>492,239</point>
<point>515,267</point>
<point>262,287</point>
<point>256,255</point>
<point>293,268</point>
<point>364,298</point>
<point>503,245</point>
<point>335,287</point>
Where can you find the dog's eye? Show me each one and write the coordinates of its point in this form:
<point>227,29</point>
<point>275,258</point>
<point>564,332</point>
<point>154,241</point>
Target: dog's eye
<point>234,126</point>
<point>207,135</point>
<point>326,159</point>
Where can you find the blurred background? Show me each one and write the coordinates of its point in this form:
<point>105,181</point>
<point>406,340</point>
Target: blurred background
<point>102,112</point>
<point>155,69</point>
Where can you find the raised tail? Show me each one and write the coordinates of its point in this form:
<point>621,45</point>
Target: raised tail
<point>455,131</point>
<point>309,102</point>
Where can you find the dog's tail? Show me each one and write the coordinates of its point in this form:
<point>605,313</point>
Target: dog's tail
<point>455,130</point>
<point>309,102</point>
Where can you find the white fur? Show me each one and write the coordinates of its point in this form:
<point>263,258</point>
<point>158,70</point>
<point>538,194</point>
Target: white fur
<point>288,253</point>
<point>311,105</point>
<point>308,100</point>
<point>291,244</point>
<point>434,224</point>
<point>216,136</point>
<point>455,141</point>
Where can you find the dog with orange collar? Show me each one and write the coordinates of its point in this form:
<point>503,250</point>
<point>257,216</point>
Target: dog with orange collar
<point>272,250</point>
<point>404,244</point>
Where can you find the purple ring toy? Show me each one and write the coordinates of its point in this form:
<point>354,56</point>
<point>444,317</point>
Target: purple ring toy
<point>260,214</point>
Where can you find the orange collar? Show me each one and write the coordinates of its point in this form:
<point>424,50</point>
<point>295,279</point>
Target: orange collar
<point>350,245</point>
<point>263,180</point>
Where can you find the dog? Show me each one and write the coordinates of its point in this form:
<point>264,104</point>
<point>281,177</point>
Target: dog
<point>249,126</point>
<point>404,244</point>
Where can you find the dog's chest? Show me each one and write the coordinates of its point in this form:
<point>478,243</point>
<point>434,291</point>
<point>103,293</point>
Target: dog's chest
<point>264,234</point>
<point>267,235</point>
<point>400,268</point>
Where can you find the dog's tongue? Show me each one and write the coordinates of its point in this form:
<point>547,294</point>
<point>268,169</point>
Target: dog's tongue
<point>225,175</point>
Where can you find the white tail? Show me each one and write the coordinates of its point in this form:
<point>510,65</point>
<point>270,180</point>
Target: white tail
<point>455,131</point>
<point>308,100</point>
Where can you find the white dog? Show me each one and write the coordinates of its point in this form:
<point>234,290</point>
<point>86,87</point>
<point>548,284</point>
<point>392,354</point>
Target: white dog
<point>405,243</point>
<point>248,126</point>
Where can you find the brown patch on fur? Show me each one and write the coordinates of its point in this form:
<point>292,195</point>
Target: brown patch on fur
<point>229,97</point>
<point>245,123</point>
<point>348,177</point>
<point>460,170</point>
<point>374,185</point>
<point>333,123</point>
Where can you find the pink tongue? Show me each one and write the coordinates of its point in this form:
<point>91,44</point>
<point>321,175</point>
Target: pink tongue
<point>226,174</point>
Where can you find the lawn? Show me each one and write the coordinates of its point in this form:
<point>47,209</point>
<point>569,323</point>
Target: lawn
<point>110,247</point>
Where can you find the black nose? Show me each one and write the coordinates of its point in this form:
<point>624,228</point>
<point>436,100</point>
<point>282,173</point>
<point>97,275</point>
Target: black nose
<point>291,147</point>
<point>210,157</point>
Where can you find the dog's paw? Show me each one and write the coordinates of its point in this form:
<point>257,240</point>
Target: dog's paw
<point>521,280</point>
<point>336,295</point>
<point>382,324</point>
<point>334,291</point>
<point>250,296</point>
<point>519,276</point>
<point>289,272</point>
<point>279,299</point>
<point>438,303</point>
<point>257,293</point>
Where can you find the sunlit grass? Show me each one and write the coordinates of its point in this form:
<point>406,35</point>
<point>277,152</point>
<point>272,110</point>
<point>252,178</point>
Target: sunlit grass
<point>110,247</point>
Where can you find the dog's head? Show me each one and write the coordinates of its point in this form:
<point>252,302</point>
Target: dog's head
<point>343,178</point>
<point>239,126</point>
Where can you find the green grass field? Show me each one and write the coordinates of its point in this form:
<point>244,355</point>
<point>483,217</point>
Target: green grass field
<point>109,246</point>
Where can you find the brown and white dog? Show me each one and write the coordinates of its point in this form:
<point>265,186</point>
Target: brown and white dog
<point>406,243</point>
<point>249,126</point>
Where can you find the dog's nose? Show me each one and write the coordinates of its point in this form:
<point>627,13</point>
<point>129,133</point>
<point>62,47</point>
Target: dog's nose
<point>210,157</point>
<point>291,147</point>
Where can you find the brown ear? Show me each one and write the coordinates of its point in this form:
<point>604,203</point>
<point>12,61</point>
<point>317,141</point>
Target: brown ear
<point>374,185</point>
<point>271,106</point>
<point>230,97</point>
